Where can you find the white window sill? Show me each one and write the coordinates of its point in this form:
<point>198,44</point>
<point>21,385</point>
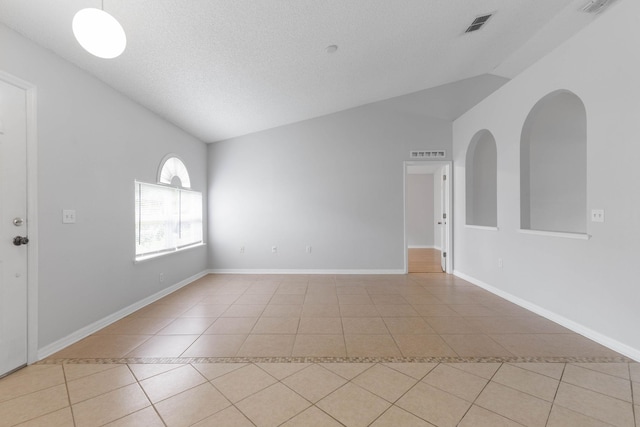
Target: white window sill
<point>144,258</point>
<point>578,236</point>
<point>481,227</point>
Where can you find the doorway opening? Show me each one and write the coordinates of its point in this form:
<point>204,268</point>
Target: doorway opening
<point>427,217</point>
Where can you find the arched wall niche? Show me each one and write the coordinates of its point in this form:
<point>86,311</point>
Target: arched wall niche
<point>553,165</point>
<point>481,175</point>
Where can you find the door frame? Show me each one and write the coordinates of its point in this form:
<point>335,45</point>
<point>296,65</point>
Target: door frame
<point>448,229</point>
<point>32,211</point>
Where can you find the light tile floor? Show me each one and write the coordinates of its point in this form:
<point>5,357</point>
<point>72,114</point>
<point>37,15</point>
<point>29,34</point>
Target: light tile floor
<point>417,350</point>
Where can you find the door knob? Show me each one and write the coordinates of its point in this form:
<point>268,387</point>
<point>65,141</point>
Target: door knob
<point>19,240</point>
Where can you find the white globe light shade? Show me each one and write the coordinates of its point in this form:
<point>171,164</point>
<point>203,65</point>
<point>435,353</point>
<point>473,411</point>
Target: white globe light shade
<point>99,33</point>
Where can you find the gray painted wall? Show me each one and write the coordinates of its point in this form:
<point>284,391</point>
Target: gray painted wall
<point>591,283</point>
<point>92,143</point>
<point>334,183</point>
<point>420,210</point>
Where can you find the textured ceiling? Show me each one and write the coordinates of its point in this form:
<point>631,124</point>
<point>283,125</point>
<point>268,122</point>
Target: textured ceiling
<point>224,68</point>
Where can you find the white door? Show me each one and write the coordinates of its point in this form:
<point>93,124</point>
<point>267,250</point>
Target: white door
<point>444,217</point>
<point>13,215</point>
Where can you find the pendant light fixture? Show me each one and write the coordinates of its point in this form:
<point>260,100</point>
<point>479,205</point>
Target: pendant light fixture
<point>99,33</point>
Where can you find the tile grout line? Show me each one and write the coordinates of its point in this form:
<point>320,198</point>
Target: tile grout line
<point>146,395</point>
<point>553,402</point>
<point>66,386</point>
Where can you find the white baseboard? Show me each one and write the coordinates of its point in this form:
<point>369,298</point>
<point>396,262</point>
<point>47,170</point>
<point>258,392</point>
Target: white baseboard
<point>301,271</point>
<point>421,247</point>
<point>106,321</point>
<point>606,341</point>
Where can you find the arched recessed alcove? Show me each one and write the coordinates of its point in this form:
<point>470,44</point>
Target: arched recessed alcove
<point>553,165</point>
<point>481,177</point>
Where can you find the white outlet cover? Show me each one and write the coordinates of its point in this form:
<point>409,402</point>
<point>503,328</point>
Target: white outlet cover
<point>68,216</point>
<point>597,215</point>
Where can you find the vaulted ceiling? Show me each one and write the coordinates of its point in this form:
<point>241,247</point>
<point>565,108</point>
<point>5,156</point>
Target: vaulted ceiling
<point>224,68</point>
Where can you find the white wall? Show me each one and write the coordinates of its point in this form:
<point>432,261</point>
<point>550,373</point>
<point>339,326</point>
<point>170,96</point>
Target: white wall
<point>420,219</point>
<point>92,143</point>
<point>437,209</point>
<point>334,183</point>
<point>481,177</point>
<point>592,283</point>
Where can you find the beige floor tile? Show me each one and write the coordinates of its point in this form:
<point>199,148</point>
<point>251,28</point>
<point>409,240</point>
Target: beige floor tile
<point>563,417</point>
<point>322,380</point>
<point>459,383</point>
<point>33,405</point>
<point>620,370</point>
<point>435,310</point>
<point>433,405</point>
<point>136,326</point>
<point>475,345</point>
<point>385,382</point>
<point>170,383</point>
<point>515,405</point>
<point>423,345</point>
<point>187,326</point>
<point>30,379</point>
<point>215,370</point>
<point>312,417</point>
<point>163,346</point>
<point>272,406</point>
<point>147,417</point>
<point>389,299</point>
<point>396,310</point>
<point>276,325</point>
<point>321,298</point>
<point>634,371</point>
<point>364,326</point>
<point>471,310</point>
<point>424,299</point>
<point>407,326</point>
<point>451,325</point>
<point>574,344</point>
<point>636,409</point>
<point>525,345</point>
<point>215,346</point>
<point>319,346</point>
<point>220,299</point>
<point>480,417</point>
<point>353,406</point>
<point>414,369</point>
<point>540,325</point>
<point>267,346</point>
<point>144,371</point>
<point>75,371</point>
<point>287,299</point>
<point>110,406</point>
<point>320,325</point>
<point>357,310</point>
<point>371,345</point>
<point>229,417</point>
<point>254,299</point>
<point>482,370</point>
<point>499,324</point>
<point>243,382</point>
<point>597,381</point>
<point>347,370</point>
<point>232,326</point>
<point>292,289</point>
<point>355,289</point>
<point>102,346</point>
<point>102,382</point>
<point>283,310</point>
<point>528,382</point>
<point>172,310</point>
<point>59,418</point>
<point>552,370</point>
<point>321,310</point>
<point>281,371</point>
<point>244,310</point>
<point>595,405</point>
<point>396,417</point>
<point>355,299</point>
<point>191,406</point>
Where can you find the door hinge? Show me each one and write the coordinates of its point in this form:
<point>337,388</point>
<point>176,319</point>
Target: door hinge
<point>444,177</point>
<point>444,254</point>
<point>444,216</point>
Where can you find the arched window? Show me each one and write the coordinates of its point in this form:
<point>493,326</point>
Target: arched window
<point>553,165</point>
<point>481,172</point>
<point>173,172</point>
<point>168,214</point>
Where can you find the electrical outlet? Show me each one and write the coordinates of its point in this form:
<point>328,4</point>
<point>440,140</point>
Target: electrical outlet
<point>597,215</point>
<point>274,249</point>
<point>241,249</point>
<point>161,277</point>
<point>68,216</point>
<point>308,249</point>
<point>500,263</point>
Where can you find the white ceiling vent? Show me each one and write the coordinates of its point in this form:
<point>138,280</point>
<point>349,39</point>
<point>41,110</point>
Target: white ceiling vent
<point>596,6</point>
<point>478,23</point>
<point>432,154</point>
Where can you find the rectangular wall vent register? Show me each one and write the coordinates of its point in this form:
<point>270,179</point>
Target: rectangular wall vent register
<point>429,154</point>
